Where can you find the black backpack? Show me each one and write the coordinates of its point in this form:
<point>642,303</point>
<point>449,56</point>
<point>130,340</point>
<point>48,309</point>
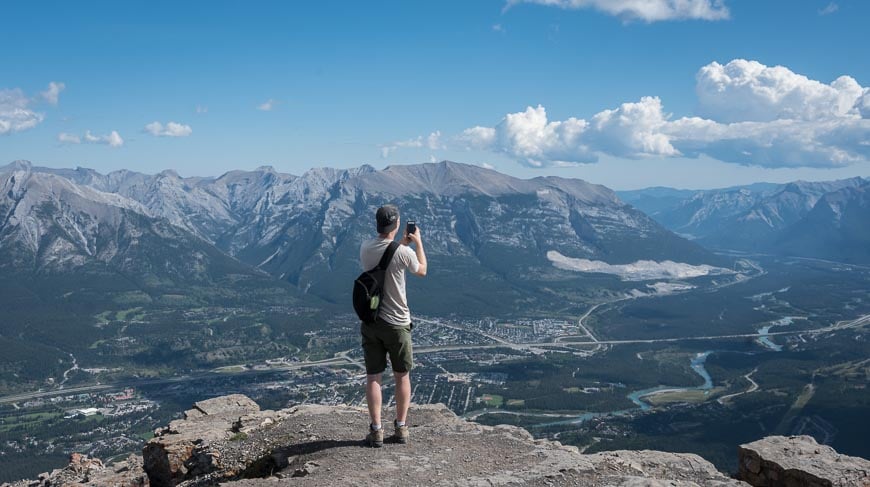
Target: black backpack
<point>368,286</point>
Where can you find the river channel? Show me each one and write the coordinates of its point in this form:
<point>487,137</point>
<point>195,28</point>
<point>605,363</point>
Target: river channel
<point>636,397</point>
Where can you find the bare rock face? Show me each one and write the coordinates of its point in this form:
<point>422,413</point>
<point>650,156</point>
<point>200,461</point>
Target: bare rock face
<point>666,468</point>
<point>85,471</point>
<point>322,446</point>
<point>798,461</point>
<point>183,450</point>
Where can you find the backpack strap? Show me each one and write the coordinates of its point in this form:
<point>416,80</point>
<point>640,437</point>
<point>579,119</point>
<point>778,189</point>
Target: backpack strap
<point>388,255</point>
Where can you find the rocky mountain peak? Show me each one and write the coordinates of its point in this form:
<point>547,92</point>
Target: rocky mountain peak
<point>18,165</point>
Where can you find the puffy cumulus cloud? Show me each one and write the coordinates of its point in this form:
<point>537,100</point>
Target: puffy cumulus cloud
<point>112,139</point>
<point>432,141</point>
<point>632,130</point>
<point>750,91</point>
<point>644,10</point>
<point>863,105</point>
<point>780,143</point>
<point>754,115</point>
<point>532,138</point>
<point>171,129</point>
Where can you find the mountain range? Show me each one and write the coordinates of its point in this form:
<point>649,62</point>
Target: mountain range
<point>487,233</point>
<point>826,220</point>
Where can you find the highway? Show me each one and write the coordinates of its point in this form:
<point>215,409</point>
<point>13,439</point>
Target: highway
<point>339,360</point>
<point>841,325</point>
<point>343,358</point>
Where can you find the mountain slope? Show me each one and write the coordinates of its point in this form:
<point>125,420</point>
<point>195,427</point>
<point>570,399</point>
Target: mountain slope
<point>487,233</point>
<point>837,228</point>
<point>752,218</point>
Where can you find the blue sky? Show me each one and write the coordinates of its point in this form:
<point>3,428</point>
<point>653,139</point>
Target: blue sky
<point>351,83</point>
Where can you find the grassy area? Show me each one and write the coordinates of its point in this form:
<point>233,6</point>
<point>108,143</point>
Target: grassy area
<point>230,369</point>
<point>693,396</point>
<point>103,318</point>
<point>32,419</point>
<point>124,314</point>
<point>145,435</point>
<point>492,400</point>
<point>796,408</point>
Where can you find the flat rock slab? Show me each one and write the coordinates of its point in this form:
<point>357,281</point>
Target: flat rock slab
<point>232,404</point>
<point>798,461</point>
<point>183,450</point>
<point>324,447</point>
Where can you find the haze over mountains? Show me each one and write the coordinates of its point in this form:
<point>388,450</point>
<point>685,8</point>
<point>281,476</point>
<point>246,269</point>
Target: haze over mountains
<point>480,226</point>
<point>811,219</point>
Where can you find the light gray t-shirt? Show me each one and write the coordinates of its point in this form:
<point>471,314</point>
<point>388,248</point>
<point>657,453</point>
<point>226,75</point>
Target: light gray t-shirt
<point>394,303</point>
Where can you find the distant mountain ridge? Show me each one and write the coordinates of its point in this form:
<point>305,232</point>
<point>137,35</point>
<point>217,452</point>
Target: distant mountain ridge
<point>766,217</point>
<point>479,225</point>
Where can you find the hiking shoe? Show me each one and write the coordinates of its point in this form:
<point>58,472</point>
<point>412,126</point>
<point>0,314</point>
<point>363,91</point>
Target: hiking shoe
<point>401,434</point>
<point>375,438</point>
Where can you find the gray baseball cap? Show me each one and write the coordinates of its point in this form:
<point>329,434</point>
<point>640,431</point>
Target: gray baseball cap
<point>387,217</point>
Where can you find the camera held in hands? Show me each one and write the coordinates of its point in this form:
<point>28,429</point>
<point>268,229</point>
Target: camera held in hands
<point>411,227</point>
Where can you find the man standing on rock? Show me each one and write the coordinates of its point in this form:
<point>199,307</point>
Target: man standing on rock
<point>390,333</point>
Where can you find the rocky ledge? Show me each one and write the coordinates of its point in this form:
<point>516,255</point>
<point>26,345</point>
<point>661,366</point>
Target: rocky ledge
<point>229,441</point>
<point>798,461</point>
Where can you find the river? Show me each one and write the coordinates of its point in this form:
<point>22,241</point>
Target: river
<point>765,341</point>
<point>636,397</point>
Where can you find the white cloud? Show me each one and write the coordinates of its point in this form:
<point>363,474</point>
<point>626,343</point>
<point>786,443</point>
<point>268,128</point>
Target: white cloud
<point>171,129</point>
<point>53,92</point>
<point>831,8</point>
<point>432,141</point>
<point>498,28</point>
<point>16,113</point>
<point>863,104</point>
<point>753,115</point>
<point>744,90</point>
<point>112,139</point>
<point>644,10</point>
<point>65,138</point>
<point>532,138</point>
<point>201,109</point>
<point>268,105</point>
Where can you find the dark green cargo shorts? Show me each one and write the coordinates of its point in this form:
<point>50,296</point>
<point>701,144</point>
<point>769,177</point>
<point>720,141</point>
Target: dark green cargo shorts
<point>380,339</point>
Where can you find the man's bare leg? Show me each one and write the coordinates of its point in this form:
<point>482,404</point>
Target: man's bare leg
<point>373,397</point>
<point>403,395</point>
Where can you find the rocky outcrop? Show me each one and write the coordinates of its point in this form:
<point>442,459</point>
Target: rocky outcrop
<point>229,441</point>
<point>85,471</point>
<point>798,461</point>
<point>192,447</point>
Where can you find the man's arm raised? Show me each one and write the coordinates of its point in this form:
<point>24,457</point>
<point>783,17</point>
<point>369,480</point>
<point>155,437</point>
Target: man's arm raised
<point>421,254</point>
